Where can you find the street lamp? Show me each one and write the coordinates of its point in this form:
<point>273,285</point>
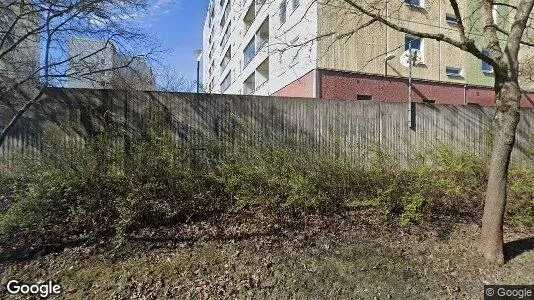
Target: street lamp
<point>386,59</point>
<point>198,55</point>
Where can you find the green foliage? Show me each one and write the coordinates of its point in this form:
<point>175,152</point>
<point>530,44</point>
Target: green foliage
<point>412,209</point>
<point>521,191</point>
<point>111,186</point>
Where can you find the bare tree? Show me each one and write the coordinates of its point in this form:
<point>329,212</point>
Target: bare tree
<point>501,49</point>
<point>170,80</point>
<point>34,46</point>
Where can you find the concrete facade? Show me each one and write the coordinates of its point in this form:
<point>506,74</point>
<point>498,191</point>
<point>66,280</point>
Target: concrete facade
<point>250,46</point>
<point>329,49</point>
<point>97,64</point>
<point>22,62</point>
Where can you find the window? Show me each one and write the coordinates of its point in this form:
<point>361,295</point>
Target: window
<point>453,72</point>
<point>451,19</point>
<point>295,3</point>
<point>226,59</point>
<point>9,39</point>
<point>262,35</point>
<point>249,52</point>
<point>414,41</point>
<point>226,82</point>
<point>249,86</point>
<point>103,61</point>
<point>250,16</point>
<point>226,14</point>
<point>364,97</point>
<point>417,3</point>
<point>486,67</point>
<point>262,74</point>
<point>226,35</point>
<point>282,12</point>
<point>259,4</point>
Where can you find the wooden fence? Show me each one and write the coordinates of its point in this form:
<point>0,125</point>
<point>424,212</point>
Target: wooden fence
<point>348,129</point>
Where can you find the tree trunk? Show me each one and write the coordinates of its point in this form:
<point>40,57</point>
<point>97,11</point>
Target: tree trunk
<point>505,123</point>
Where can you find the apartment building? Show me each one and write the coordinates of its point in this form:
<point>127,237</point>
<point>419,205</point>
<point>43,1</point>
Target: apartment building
<point>22,62</point>
<point>97,64</point>
<point>309,48</point>
<point>248,45</point>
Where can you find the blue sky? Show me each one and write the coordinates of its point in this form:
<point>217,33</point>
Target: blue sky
<point>177,25</point>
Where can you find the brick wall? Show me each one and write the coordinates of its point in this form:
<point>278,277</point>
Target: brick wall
<point>347,86</point>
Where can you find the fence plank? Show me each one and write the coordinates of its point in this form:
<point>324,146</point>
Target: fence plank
<point>347,129</point>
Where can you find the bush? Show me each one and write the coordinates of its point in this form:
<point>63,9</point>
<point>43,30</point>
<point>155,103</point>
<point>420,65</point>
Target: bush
<point>104,190</point>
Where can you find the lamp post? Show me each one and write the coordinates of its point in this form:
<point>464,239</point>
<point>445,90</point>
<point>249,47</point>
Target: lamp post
<point>198,55</point>
<point>410,85</point>
<point>386,59</point>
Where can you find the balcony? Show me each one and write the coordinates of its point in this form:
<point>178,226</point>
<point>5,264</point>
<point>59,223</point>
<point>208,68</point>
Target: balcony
<point>249,52</point>
<point>258,78</point>
<point>262,36</point>
<point>250,16</point>
<point>249,86</point>
<point>262,74</point>
<point>226,36</point>
<point>226,59</point>
<point>260,40</point>
<point>225,84</point>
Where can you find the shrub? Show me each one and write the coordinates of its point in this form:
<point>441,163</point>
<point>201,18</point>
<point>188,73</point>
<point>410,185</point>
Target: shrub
<point>102,191</point>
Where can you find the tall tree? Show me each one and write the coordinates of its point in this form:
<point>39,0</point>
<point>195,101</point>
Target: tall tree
<point>35,41</point>
<point>501,48</point>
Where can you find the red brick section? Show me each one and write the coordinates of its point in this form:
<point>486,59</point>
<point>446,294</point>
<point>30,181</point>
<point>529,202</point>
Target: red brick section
<point>343,85</point>
<point>302,87</point>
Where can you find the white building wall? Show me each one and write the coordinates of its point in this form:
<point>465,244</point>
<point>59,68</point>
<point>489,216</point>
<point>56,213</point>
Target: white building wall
<point>291,49</point>
<point>22,62</point>
<point>87,56</point>
<point>111,69</point>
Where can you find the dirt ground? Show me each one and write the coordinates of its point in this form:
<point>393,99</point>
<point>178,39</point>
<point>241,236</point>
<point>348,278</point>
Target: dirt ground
<point>312,257</point>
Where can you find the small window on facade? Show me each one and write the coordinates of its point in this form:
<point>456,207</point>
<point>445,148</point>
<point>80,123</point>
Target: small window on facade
<point>295,3</point>
<point>486,67</point>
<point>418,3</point>
<point>454,72</point>
<point>225,84</point>
<point>414,41</point>
<point>9,39</point>
<point>282,12</point>
<point>364,97</point>
<point>429,101</point>
<point>451,19</point>
<point>103,61</point>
